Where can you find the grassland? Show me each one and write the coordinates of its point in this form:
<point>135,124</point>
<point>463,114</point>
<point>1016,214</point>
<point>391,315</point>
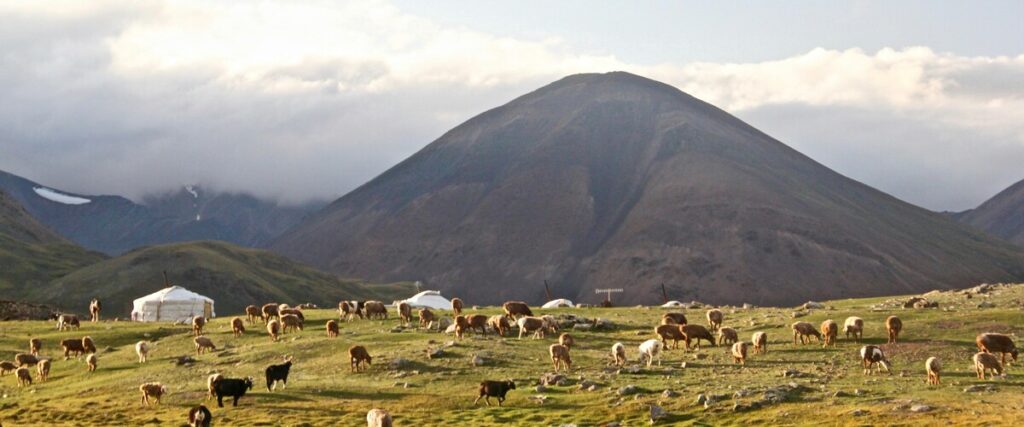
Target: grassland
<point>322,391</point>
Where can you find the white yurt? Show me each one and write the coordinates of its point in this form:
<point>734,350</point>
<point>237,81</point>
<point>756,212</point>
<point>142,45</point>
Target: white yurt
<point>171,305</point>
<point>429,299</point>
<point>555,303</point>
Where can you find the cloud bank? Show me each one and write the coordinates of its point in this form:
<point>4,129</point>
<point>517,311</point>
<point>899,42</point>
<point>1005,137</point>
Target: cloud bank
<point>297,101</point>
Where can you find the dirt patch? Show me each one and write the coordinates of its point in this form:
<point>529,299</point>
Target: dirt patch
<point>948,324</point>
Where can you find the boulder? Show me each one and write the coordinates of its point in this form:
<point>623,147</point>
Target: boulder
<point>657,413</point>
<point>628,390</point>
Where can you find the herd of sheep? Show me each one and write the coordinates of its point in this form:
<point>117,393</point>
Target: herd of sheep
<point>674,327</point>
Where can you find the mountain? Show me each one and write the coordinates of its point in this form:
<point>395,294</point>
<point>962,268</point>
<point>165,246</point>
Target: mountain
<point>31,254</point>
<point>233,276</point>
<point>1002,215</point>
<point>617,181</point>
<point>114,224</point>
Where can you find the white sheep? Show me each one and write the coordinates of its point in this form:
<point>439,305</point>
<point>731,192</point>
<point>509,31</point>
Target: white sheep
<point>142,349</point>
<point>651,349</point>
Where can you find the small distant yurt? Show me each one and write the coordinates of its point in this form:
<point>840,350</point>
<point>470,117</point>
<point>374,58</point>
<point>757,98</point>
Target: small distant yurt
<point>555,303</point>
<point>171,305</point>
<point>429,299</point>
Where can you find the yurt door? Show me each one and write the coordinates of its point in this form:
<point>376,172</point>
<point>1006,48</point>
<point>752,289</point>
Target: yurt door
<point>207,310</point>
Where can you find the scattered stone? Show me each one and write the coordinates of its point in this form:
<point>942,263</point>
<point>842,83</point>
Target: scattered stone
<point>793,373</point>
<point>478,361</point>
<point>449,344</point>
<point>986,304</point>
<point>813,305</point>
<point>397,329</point>
<point>858,412</point>
<point>398,363</point>
<point>657,413</point>
<point>797,314</point>
<point>840,393</point>
<point>859,392</point>
<point>588,385</point>
<point>920,408</point>
<point>541,388</point>
<point>742,393</point>
<point>700,356</point>
<point>979,388</point>
<point>550,379</point>
<point>184,360</point>
<point>628,390</point>
<point>668,394</point>
<point>582,327</point>
<point>435,353</point>
<point>631,369</point>
<point>747,306</point>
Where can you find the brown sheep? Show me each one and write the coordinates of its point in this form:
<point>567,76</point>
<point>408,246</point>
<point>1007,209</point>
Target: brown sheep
<point>142,349</point>
<point>560,356</point>
<point>34,345</point>
<point>7,367</point>
<point>695,333</point>
<point>456,306</point>
<point>293,311</point>
<point>739,353</point>
<point>72,346</point>
<point>198,323</point>
<point>804,331</point>
<point>997,343</point>
<point>727,336</point>
<point>94,309</point>
<point>673,319</point>
<point>461,324</point>
<point>357,355</point>
<point>566,340</point>
<point>290,321</point>
<point>375,310</point>
<point>670,332</point>
<point>332,328</point>
<point>152,391</point>
<point>237,326</point>
<point>273,328</point>
<point>478,322</point>
<point>269,311</point>
<point>933,367</point>
<point>715,318</point>
<point>90,360</point>
<point>24,377</point>
<point>252,313</point>
<point>500,324</point>
<point>88,345</point>
<point>987,362</point>
<point>378,418</point>
<point>24,359</point>
<point>531,324</point>
<point>203,344</point>
<point>872,355</point>
<point>43,369</point>
<point>516,309</point>
<point>829,330</point>
<point>760,340</point>
<point>894,325</point>
<point>405,312</point>
<point>854,326</point>
<point>426,317</point>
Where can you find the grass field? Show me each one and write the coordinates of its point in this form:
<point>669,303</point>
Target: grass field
<point>322,391</point>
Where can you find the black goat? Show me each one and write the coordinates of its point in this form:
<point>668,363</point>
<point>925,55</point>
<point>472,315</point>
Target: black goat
<point>277,373</point>
<point>497,389</point>
<point>232,387</point>
<point>199,417</point>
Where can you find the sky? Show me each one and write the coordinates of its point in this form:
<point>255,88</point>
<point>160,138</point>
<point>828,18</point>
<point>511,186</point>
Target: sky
<point>298,100</point>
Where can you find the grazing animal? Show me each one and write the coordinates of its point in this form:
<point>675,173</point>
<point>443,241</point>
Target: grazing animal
<point>500,324</point>
<point>273,328</point>
<point>497,389</point>
<point>211,381</point>
<point>252,313</point>
<point>566,340</point>
<point>269,311</point>
<point>715,318</point>
<point>199,416</point>
<point>477,322</point>
<point>34,345</point>
<point>152,391</point>
<point>673,319</point>
<point>67,321</point>
<point>357,354</point>
<point>332,328</point>
<point>997,343</point>
<point>933,367</point>
<point>695,333</point>
<point>7,367</point>
<point>894,325</point>
<point>43,369</point>
<point>619,354</point>
<point>987,362</point>
<point>277,373</point>
<point>760,340</point>
<point>375,310</point>
<point>516,309</point>
<point>739,353</point>
<point>461,324</point>
<point>531,324</point>
<point>198,323</point>
<point>237,326</point>
<point>426,317</point>
<point>24,359</point>
<point>829,330</point>
<point>854,326</point>
<point>456,306</point>
<point>405,312</point>
<point>142,349</point>
<point>72,346</point>
<point>24,377</point>
<point>94,309</point>
<point>670,332</point>
<point>560,356</point>
<point>871,355</point>
<point>90,360</point>
<point>203,344</point>
<point>347,312</point>
<point>650,350</point>
<point>290,321</point>
<point>293,311</point>
<point>231,387</point>
<point>804,331</point>
<point>727,336</point>
<point>88,345</point>
<point>378,418</point>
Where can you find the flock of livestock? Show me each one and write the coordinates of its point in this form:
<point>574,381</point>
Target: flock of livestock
<point>673,328</point>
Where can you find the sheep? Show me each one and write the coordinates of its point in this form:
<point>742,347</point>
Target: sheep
<point>997,343</point>
<point>649,350</point>
<point>198,323</point>
<point>34,345</point>
<point>695,333</point>
<point>566,340</point>
<point>269,311</point>
<point>142,349</point>
<point>94,309</point>
<point>67,321</point>
<point>24,377</point>
<point>727,336</point>
<point>90,360</point>
<point>673,319</point>
<point>871,355</point>
<point>405,313</point>
<point>252,313</point>
<point>715,318</point>
<point>619,354</point>
<point>456,306</point>
<point>987,362</point>
<point>478,321</point>
<point>72,346</point>
<point>211,382</point>
<point>290,321</point>
<point>346,312</point>
<point>277,373</point>
<point>560,356</point>
<point>375,310</point>
<point>203,344</point>
<point>7,367</point>
<point>294,311</point>
<point>88,345</point>
<point>426,317</point>
<point>933,367</point>
<point>500,324</point>
<point>829,330</point>
<point>273,328</point>
<point>461,324</point>
<point>199,416</point>
<point>43,369</point>
<point>531,324</point>
<point>667,332</point>
<point>232,387</point>
<point>760,340</point>
<point>237,326</point>
<point>854,326</point>
<point>152,391</point>
<point>378,418</point>
<point>894,325</point>
<point>515,309</point>
<point>357,355</point>
<point>332,328</point>
<point>739,353</point>
<point>498,389</point>
<point>804,331</point>
<point>24,359</point>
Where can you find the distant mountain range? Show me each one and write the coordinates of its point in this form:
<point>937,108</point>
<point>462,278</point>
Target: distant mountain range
<point>1002,215</point>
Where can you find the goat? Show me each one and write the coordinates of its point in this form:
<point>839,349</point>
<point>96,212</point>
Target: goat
<point>252,313</point>
<point>199,416</point>
<point>760,340</point>
<point>67,321</point>
<point>152,391</point>
<point>426,317</point>
<point>90,361</point>
<point>269,311</point>
<point>211,382</point>
<point>500,324</point>
<point>531,324</point>
<point>332,328</point>
<point>477,321</point>
<point>357,355</point>
<point>375,310</point>
<point>7,367</point>
<point>727,336</point>
<point>198,322</point>
<point>566,340</point>
<point>203,344</point>
<point>739,353</point>
<point>24,377</point>
<point>88,345</point>
<point>987,362</point>
<point>277,373</point>
<point>695,333</point>
<point>893,325</point>
<point>456,306</point>
<point>933,367</point>
<point>871,355</point>
<point>293,311</point>
<point>72,346</point>
<point>829,330</point>
<point>43,369</point>
<point>34,345</point>
<point>405,312</point>
<point>237,326</point>
<point>290,321</point>
<point>715,318</point>
<point>671,331</point>
<point>854,326</point>
<point>347,312</point>
<point>94,309</point>
<point>997,343</point>
<point>273,328</point>
<point>673,319</point>
<point>515,309</point>
<point>560,356</point>
<point>804,331</point>
<point>24,359</point>
<point>461,324</point>
<point>498,389</point>
<point>231,387</point>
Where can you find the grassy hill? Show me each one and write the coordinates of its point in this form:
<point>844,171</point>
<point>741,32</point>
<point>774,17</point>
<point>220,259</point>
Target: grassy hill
<point>232,275</point>
<point>824,386</point>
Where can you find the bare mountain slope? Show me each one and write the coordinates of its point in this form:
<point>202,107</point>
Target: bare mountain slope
<point>1002,215</point>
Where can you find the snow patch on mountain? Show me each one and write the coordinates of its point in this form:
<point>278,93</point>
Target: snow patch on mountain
<point>55,196</point>
<point>192,191</point>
